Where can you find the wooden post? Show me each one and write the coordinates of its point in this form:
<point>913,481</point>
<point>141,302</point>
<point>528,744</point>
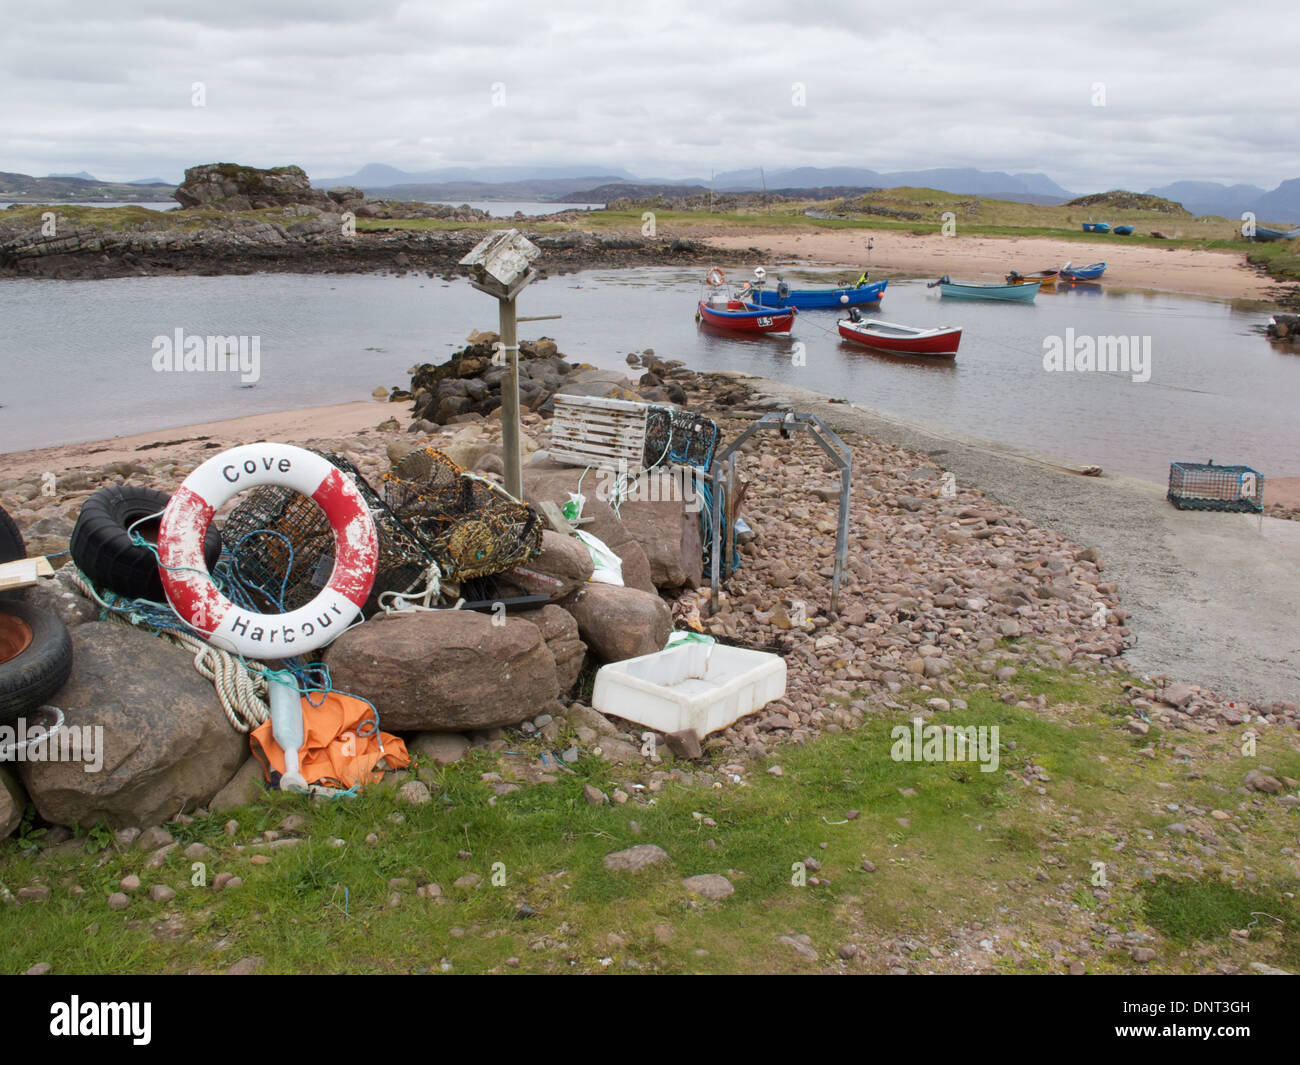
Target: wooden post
<point>510,400</point>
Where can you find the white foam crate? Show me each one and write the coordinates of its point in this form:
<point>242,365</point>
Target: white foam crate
<point>692,686</point>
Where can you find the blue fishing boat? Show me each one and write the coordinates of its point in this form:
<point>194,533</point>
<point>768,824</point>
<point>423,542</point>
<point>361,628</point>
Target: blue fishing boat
<point>1124,231</point>
<point>1096,227</point>
<point>977,290</point>
<point>807,299</point>
<point>1091,272</point>
<point>1267,233</point>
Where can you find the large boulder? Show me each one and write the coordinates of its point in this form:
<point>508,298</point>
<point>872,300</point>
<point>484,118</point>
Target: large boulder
<point>550,480</point>
<point>12,802</point>
<point>563,567</point>
<point>559,629</point>
<point>446,670</point>
<point>620,623</point>
<point>232,187</point>
<point>667,526</point>
<point>166,744</point>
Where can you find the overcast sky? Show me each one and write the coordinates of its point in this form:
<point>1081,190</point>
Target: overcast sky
<point>668,88</point>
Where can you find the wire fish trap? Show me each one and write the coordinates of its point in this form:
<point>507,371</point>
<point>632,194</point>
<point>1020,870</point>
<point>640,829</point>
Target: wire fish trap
<point>469,525</point>
<point>679,437</point>
<point>1205,486</point>
<point>280,550</point>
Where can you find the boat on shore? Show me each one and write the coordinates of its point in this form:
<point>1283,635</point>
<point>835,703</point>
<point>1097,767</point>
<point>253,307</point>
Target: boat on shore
<point>1268,233</point>
<point>1124,231</point>
<point>1043,277</point>
<point>901,339</point>
<point>1096,227</point>
<point>979,290</point>
<point>1091,272</point>
<point>807,299</point>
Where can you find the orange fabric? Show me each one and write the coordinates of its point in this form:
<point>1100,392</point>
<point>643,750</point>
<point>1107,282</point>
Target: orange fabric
<point>332,754</point>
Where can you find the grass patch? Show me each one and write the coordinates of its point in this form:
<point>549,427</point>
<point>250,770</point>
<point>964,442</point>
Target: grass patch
<point>958,857</point>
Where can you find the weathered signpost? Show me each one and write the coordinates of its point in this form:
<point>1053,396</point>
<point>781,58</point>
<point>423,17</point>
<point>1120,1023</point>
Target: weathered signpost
<point>501,266</point>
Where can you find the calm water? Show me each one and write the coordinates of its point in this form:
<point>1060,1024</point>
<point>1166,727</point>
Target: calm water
<point>76,358</point>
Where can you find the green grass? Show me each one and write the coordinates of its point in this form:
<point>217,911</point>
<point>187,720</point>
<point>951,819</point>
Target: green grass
<point>954,848</point>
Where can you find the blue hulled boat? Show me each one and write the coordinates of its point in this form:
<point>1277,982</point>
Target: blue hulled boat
<point>807,299</point>
<point>1091,272</point>
<point>1096,227</point>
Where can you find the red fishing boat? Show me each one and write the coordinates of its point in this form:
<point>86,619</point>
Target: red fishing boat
<point>902,339</point>
<point>724,310</point>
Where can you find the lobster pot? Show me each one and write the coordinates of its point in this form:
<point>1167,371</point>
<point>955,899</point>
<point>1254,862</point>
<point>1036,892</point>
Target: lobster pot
<point>469,525</point>
<point>1205,486</point>
<point>280,546</point>
<point>679,437</point>
<point>606,433</point>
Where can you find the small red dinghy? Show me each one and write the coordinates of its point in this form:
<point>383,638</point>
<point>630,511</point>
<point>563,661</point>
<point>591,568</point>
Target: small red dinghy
<point>741,317</point>
<point>902,339</point>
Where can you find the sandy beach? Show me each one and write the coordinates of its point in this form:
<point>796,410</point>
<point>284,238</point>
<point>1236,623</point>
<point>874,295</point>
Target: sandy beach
<point>1205,273</point>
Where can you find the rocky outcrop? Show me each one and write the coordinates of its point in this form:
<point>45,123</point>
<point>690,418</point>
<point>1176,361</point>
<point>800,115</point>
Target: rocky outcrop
<point>470,382</point>
<point>167,746</point>
<point>232,187</point>
<point>446,670</point>
<point>620,623</point>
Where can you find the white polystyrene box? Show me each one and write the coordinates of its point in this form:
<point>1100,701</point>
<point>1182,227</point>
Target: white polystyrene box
<point>697,686</point>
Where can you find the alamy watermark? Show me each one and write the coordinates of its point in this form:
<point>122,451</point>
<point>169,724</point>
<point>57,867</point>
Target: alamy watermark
<point>180,353</point>
<point>21,742</point>
<point>619,486</point>
<point>1100,354</point>
<point>946,743</point>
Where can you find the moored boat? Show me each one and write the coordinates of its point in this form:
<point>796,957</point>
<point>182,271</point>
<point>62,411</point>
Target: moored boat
<point>740,317</point>
<point>806,299</point>
<point>1043,277</point>
<point>1091,272</point>
<point>901,339</point>
<point>979,290</point>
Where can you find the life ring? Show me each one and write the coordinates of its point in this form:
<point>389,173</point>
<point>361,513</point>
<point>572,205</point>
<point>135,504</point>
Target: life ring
<point>715,277</point>
<point>189,586</point>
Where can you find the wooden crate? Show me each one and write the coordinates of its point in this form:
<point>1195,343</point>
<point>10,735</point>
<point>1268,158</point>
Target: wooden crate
<point>605,433</point>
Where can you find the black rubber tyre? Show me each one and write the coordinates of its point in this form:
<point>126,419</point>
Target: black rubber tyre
<point>102,548</point>
<point>12,548</point>
<point>30,677</point>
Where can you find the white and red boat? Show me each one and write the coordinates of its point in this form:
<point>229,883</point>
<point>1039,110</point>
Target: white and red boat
<point>902,339</point>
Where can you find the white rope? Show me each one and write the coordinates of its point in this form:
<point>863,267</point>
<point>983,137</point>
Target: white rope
<point>241,685</point>
<point>423,599</point>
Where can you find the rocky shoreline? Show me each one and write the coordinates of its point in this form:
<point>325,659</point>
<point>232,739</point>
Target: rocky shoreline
<point>943,584</point>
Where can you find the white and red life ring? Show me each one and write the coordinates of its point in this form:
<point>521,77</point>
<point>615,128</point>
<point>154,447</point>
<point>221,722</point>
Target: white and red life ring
<point>190,588</point>
<point>715,277</point>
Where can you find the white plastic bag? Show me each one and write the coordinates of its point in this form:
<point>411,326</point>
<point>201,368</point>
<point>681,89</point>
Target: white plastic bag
<point>609,567</point>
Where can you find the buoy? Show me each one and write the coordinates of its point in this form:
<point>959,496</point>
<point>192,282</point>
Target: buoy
<point>189,586</point>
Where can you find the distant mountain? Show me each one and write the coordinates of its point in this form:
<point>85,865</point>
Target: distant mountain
<point>380,175</point>
<point>538,189</point>
<point>79,174</point>
<point>1280,205</point>
<point>1231,201</point>
<point>151,181</point>
<point>966,180</point>
<point>23,188</point>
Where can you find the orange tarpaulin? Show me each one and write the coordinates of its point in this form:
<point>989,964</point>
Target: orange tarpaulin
<point>341,746</point>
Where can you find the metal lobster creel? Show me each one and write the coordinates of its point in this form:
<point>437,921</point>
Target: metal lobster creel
<point>679,437</point>
<point>469,525</point>
<point>280,546</point>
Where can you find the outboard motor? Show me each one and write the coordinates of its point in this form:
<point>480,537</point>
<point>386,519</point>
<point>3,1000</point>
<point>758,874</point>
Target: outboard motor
<point>782,291</point>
